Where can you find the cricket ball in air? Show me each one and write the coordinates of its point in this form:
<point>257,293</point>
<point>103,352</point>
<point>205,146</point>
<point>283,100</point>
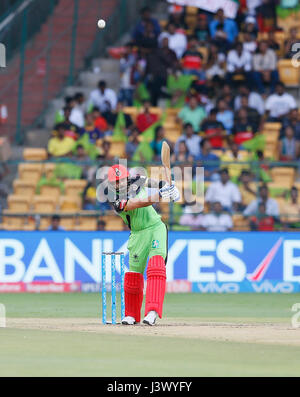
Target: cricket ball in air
<point>101,24</point>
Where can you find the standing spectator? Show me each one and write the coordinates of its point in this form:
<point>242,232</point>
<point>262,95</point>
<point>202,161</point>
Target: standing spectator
<point>192,59</point>
<point>208,160</point>
<point>159,61</point>
<point>272,208</point>
<point>148,39</point>
<point>192,113</point>
<point>230,27</point>
<point>225,115</point>
<point>262,222</point>
<point>104,98</point>
<point>191,140</point>
<point>279,104</point>
<point>217,220</point>
<point>264,67</point>
<point>255,100</point>
<point>289,147</point>
<point>239,63</point>
<point>146,118</point>
<point>141,25</point>
<point>127,64</point>
<point>214,130</point>
<point>224,191</point>
<point>177,40</point>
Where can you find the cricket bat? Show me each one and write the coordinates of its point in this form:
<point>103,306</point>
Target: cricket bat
<point>166,162</point>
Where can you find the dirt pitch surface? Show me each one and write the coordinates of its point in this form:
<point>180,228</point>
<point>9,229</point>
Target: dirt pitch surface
<point>270,333</point>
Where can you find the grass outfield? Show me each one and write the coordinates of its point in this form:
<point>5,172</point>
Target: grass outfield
<point>200,335</point>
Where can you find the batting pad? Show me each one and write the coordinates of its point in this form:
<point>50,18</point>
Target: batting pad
<point>133,288</point>
<point>156,285</point>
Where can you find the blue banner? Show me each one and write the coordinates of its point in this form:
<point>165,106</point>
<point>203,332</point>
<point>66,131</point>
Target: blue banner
<point>236,262</point>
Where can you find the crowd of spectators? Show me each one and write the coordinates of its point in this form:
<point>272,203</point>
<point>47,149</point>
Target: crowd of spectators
<point>223,79</point>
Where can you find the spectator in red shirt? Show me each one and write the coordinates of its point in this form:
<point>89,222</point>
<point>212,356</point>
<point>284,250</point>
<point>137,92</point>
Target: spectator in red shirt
<point>262,222</point>
<point>214,130</point>
<point>146,119</point>
<point>99,121</point>
<point>243,130</point>
<point>192,60</point>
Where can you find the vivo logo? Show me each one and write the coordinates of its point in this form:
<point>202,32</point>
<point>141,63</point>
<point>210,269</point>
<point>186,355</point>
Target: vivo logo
<point>2,56</point>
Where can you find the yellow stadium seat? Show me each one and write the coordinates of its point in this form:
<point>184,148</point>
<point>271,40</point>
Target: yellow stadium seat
<point>283,175</point>
<point>53,191</point>
<point>272,126</point>
<point>69,204</point>
<point>288,74</point>
<point>131,111</point>
<point>191,21</point>
<point>113,223</point>
<point>12,222</point>
<point>117,149</point>
<point>18,203</point>
<point>172,133</point>
<point>35,154</point>
<point>87,223</point>
<point>172,114</point>
<point>74,187</point>
<point>45,223</point>
<point>24,188</point>
<point>240,223</point>
<point>68,223</point>
<point>44,204</point>
<point>191,10</point>
<point>204,53</point>
<point>157,111</point>
<point>279,184</point>
<point>30,172</point>
<point>163,23</point>
<point>49,169</point>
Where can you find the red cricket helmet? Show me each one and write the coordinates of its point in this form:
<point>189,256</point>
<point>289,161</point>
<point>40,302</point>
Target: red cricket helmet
<point>117,172</point>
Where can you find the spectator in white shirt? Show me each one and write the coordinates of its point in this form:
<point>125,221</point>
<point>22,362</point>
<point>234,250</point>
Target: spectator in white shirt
<point>239,63</point>
<point>191,140</point>
<point>279,104</point>
<point>103,98</point>
<point>78,110</point>
<point>264,68</point>
<point>217,220</point>
<point>177,40</point>
<point>272,208</point>
<point>255,100</point>
<point>224,191</point>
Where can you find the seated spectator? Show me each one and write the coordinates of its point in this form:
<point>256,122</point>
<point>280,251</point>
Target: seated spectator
<point>291,119</point>
<point>101,225</point>
<point>272,43</point>
<point>202,30</point>
<point>215,65</point>
<point>60,145</point>
<point>90,201</point>
<point>288,44</point>
<point>217,220</point>
<point>192,60</point>
<point>148,39</point>
<point>177,40</point>
<point>120,123</point>
<point>192,113</point>
<point>230,27</point>
<point>272,208</point>
<point>192,216</point>
<point>100,123</point>
<point>279,104</point>
<point>254,118</point>
<point>183,154</point>
<point>265,68</point>
<point>55,224</point>
<point>208,160</point>
<point>103,98</point>
<point>156,144</point>
<point>224,191</point>
<point>262,222</point>
<point>90,128</point>
<point>191,140</point>
<point>159,61</point>
<point>178,84</point>
<point>225,115</point>
<point>247,188</point>
<point>255,100</point>
<point>289,147</point>
<point>221,41</point>
<point>290,210</point>
<point>69,103</point>
<point>146,118</point>
<point>236,160</point>
<point>78,110</point>
<point>127,84</point>
<point>214,130</point>
<point>133,143</point>
<point>105,155</point>
<point>243,129</point>
<point>72,130</point>
<point>249,43</point>
<point>239,64</point>
<point>250,25</point>
<point>141,25</point>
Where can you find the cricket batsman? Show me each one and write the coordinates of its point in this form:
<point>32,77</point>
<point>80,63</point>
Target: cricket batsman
<point>148,239</point>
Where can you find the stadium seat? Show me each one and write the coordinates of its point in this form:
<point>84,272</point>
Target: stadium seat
<point>44,223</point>
<point>283,175</point>
<point>191,10</point>
<point>30,172</point>
<point>18,203</point>
<point>156,110</point>
<point>288,74</point>
<point>172,133</point>
<point>67,223</point>
<point>53,191</point>
<point>12,222</point>
<point>240,223</point>
<point>117,149</point>
<point>113,222</point>
<point>86,223</point>
<point>272,126</point>
<point>49,169</point>
<point>69,204</point>
<point>24,188</point>
<point>132,111</point>
<point>204,53</point>
<point>74,187</point>
<point>35,154</point>
<point>44,204</point>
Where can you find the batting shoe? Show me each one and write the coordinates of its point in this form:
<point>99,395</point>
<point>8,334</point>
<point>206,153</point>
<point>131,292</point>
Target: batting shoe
<point>128,320</point>
<point>150,318</point>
